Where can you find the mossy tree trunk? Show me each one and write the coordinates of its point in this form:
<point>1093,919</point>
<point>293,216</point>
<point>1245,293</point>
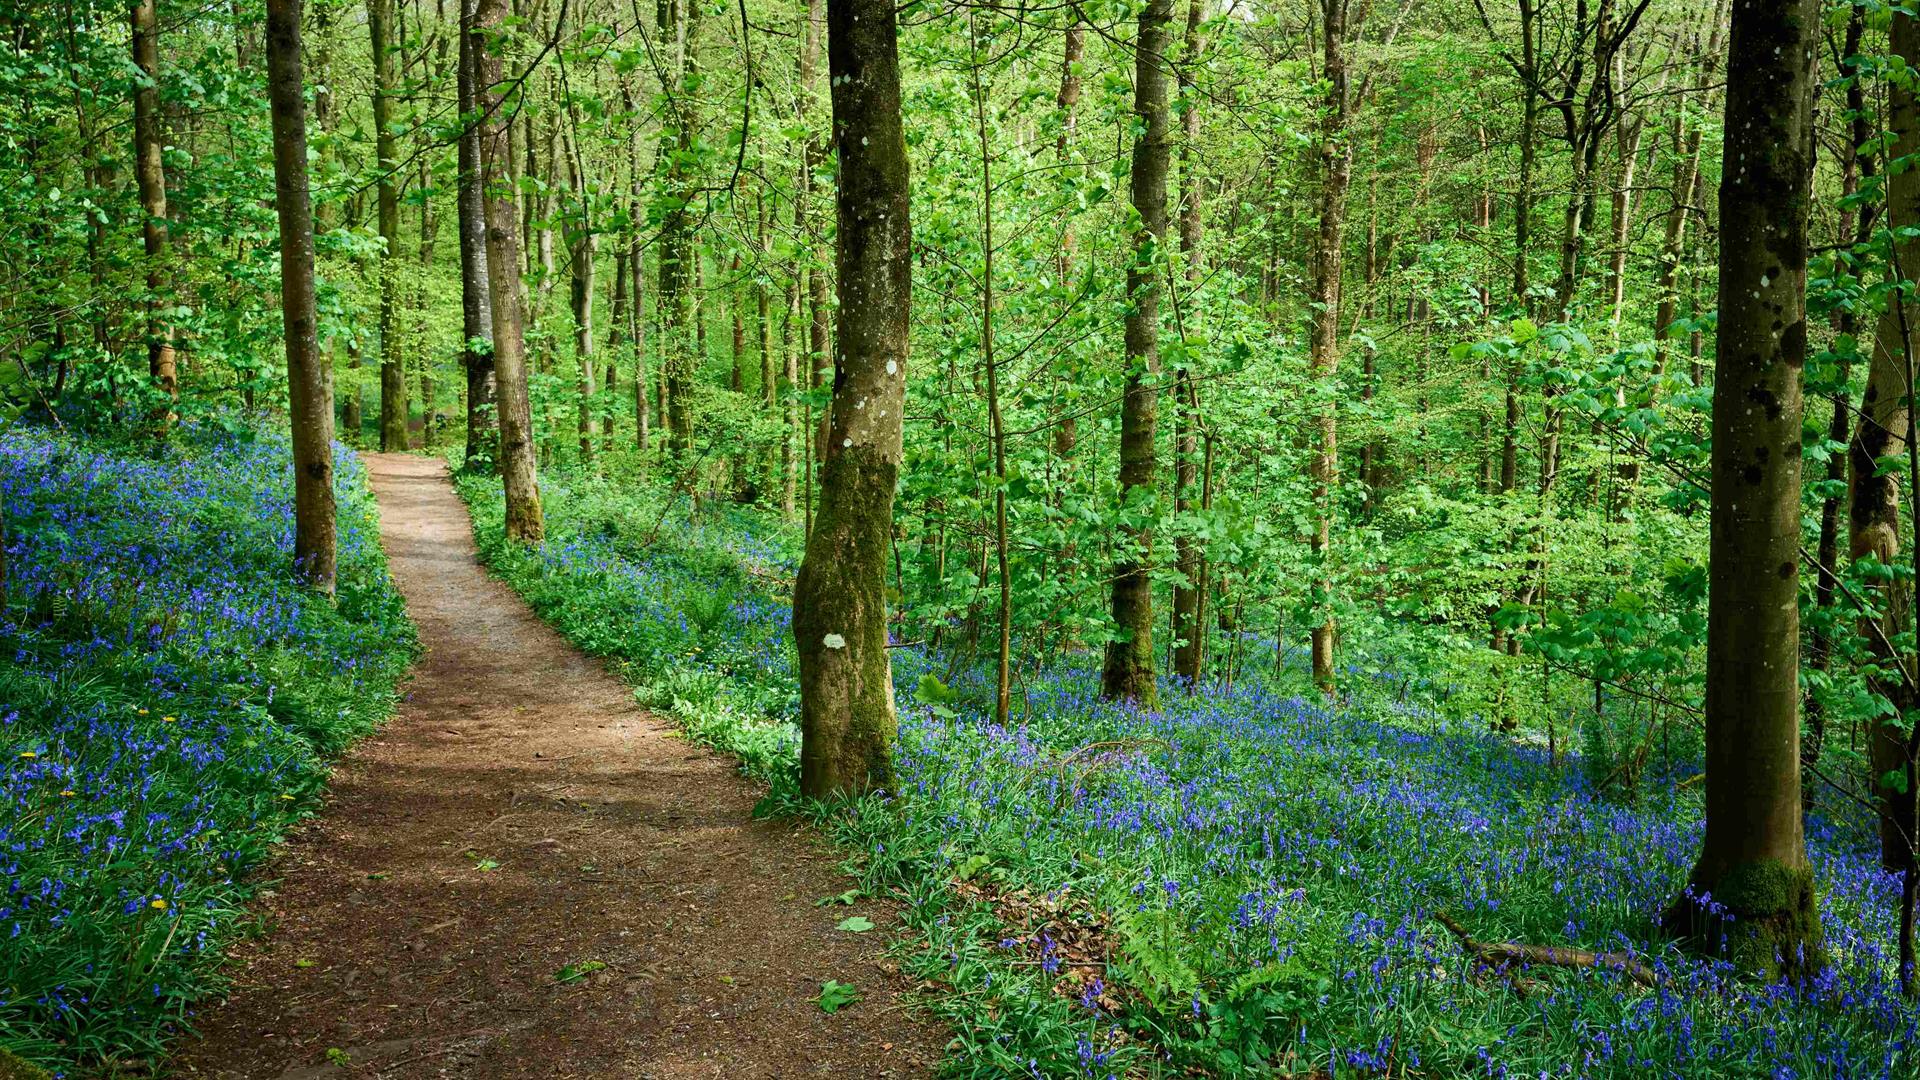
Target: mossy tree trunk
<point>1127,673</point>
<point>1753,862</point>
<point>309,378</point>
<point>839,597</point>
<point>476,306</point>
<point>525,522</point>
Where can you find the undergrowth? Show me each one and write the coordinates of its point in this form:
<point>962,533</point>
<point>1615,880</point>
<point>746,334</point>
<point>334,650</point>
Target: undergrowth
<point>170,698</point>
<point>1241,884</point>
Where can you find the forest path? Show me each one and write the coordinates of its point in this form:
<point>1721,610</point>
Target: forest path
<point>521,813</point>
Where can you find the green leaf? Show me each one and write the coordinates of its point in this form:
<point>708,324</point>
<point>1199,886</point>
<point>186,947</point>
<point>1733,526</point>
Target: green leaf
<point>573,973</point>
<point>835,995</point>
<point>855,924</point>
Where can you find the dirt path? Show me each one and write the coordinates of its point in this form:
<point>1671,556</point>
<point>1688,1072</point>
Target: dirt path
<point>519,814</point>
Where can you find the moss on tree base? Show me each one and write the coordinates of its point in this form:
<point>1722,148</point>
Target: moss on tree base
<point>14,1067</point>
<point>1763,917</point>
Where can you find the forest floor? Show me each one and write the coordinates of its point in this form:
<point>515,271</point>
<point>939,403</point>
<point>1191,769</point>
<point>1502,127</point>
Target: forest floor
<point>526,875</point>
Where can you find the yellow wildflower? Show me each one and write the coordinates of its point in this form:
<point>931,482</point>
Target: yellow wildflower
<point>157,904</point>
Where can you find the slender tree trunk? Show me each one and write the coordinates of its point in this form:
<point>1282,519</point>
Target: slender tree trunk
<point>524,521</point>
<point>582,248</point>
<point>309,381</point>
<point>476,306</point>
<point>1189,631</point>
<point>839,597</point>
<point>393,380</point>
<point>1754,861</point>
<point>150,175</point>
<point>1875,495</point>
<point>1066,434</point>
<point>676,243</point>
<point>1856,228</point>
<point>1324,358</point>
<point>1627,138</point>
<point>1686,188</point>
<point>763,316</point>
<point>1127,673</point>
<point>642,406</point>
<point>617,318</point>
<point>813,155</point>
<point>790,420</point>
<point>353,413</point>
<point>1003,692</point>
<point>636,270</point>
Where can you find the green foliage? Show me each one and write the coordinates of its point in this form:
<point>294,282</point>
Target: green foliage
<point>836,995</point>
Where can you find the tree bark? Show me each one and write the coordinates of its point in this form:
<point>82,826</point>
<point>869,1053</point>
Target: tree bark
<point>1189,625</point>
<point>1127,673</point>
<point>309,379</point>
<point>1686,188</point>
<point>617,318</point>
<point>393,381</point>
<point>1324,352</point>
<point>1753,861</point>
<point>524,521</point>
<point>676,242</point>
<point>1856,227</point>
<point>150,174</point>
<point>839,601</point>
<point>1066,433</point>
<point>996,426</point>
<point>1874,490</point>
<point>476,306</point>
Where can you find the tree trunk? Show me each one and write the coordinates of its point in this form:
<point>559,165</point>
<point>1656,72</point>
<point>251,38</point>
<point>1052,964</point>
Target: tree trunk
<point>1856,227</point>
<point>839,597</point>
<point>1067,432</point>
<point>1189,631</point>
<point>1127,673</point>
<point>524,520</point>
<point>1754,859</point>
<point>151,175</point>
<point>393,380</point>
<point>581,251</point>
<point>676,242</point>
<point>1686,188</point>
<point>309,380</point>
<point>1875,495</point>
<point>996,426</point>
<point>476,307</point>
<point>1324,353</point>
<point>790,413</point>
<point>617,318</point>
<point>806,269</point>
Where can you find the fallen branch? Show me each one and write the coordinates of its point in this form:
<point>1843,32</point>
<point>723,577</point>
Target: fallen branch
<point>1496,954</point>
